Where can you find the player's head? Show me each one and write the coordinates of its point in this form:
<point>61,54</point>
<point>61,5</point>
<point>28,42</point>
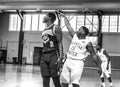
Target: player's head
<point>98,47</point>
<point>83,31</point>
<point>49,17</point>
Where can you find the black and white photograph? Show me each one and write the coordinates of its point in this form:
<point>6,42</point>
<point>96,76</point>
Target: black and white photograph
<point>59,43</point>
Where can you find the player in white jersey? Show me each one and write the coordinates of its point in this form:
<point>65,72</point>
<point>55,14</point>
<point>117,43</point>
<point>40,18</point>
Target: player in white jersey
<point>78,51</point>
<point>105,65</point>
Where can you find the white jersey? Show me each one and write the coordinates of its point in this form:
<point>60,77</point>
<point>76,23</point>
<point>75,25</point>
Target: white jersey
<point>102,56</point>
<point>77,49</point>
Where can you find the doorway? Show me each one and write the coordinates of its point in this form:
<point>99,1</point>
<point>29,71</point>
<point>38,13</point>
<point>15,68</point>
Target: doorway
<point>37,55</point>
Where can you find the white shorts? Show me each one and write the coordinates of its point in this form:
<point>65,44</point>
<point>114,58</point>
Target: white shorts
<point>72,71</point>
<point>104,69</point>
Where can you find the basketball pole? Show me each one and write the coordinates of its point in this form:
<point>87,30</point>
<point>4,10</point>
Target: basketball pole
<point>21,37</point>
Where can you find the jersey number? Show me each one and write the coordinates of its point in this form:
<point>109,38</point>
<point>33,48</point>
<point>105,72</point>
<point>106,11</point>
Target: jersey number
<point>51,44</point>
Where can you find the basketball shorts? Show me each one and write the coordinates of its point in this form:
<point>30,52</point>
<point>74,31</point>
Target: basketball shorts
<point>72,71</point>
<point>104,69</point>
<point>48,64</point>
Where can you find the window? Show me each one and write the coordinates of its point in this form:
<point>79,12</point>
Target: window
<point>91,22</point>
<point>35,20</point>
<point>95,23</point>
<point>14,22</point>
<point>119,23</point>
<point>27,22</point>
<point>72,20</point>
<point>76,21</point>
<point>88,22</point>
<point>31,22</point>
<point>80,21</point>
<point>63,27</point>
<point>105,23</point>
<point>41,24</point>
<point>113,23</point>
<point>110,23</point>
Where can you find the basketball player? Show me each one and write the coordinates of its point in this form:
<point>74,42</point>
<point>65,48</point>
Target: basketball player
<point>105,65</point>
<point>78,51</point>
<point>52,51</point>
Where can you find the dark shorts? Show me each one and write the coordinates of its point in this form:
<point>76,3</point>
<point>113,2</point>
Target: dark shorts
<point>48,64</point>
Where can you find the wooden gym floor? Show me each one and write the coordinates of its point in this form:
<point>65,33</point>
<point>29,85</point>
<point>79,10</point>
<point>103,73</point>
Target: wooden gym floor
<point>30,76</point>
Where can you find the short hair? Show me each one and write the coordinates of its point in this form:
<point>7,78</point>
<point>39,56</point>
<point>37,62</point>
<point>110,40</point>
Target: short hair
<point>85,29</point>
<point>52,16</point>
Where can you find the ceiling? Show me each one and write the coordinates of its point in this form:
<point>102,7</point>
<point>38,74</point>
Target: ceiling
<point>82,5</point>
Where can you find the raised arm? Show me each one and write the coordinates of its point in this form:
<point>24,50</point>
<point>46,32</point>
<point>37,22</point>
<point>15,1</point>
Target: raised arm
<point>58,33</point>
<point>95,58</point>
<point>67,23</point>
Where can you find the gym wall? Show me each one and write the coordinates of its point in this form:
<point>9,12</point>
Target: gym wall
<point>33,39</point>
<point>111,42</point>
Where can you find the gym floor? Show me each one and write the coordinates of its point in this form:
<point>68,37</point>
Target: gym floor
<point>30,76</point>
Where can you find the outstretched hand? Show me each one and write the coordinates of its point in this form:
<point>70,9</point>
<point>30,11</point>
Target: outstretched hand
<point>60,13</point>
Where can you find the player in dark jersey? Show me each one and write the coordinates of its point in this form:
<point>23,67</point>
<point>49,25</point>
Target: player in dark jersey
<point>52,51</point>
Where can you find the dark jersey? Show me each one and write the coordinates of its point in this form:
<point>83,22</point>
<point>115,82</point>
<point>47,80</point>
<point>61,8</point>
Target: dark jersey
<point>49,39</point>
